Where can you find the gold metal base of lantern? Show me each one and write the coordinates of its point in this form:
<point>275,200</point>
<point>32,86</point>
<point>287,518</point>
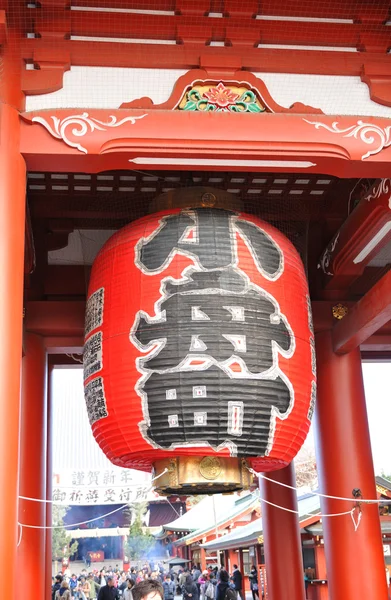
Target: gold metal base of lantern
<point>195,197</point>
<point>190,475</point>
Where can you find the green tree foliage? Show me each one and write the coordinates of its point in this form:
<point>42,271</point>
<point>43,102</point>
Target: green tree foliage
<point>61,538</point>
<point>139,542</point>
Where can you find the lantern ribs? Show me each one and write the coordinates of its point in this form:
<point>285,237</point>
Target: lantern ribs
<point>62,322</point>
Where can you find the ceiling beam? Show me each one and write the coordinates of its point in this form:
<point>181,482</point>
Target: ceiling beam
<point>187,56</point>
<point>55,318</point>
<point>364,233</point>
<point>65,345</point>
<point>66,280</point>
<point>185,28</point>
<point>365,318</point>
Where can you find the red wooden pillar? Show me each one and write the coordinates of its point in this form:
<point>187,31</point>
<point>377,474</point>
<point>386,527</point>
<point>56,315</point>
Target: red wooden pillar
<point>232,560</point>
<point>49,486</point>
<point>282,544</point>
<point>354,559</point>
<point>12,224</point>
<point>321,572</point>
<point>203,559</point>
<point>33,465</point>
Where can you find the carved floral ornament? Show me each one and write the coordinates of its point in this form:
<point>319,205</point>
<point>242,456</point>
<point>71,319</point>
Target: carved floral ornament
<point>325,261</point>
<point>368,133</point>
<point>221,98</point>
<point>199,90</point>
<point>383,187</point>
<point>79,126</point>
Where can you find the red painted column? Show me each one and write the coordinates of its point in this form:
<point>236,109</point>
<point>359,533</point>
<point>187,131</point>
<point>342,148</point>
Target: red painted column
<point>12,224</point>
<point>232,560</point>
<point>321,572</point>
<point>283,555</point>
<point>203,558</point>
<point>354,559</point>
<point>33,465</point>
<point>49,486</point>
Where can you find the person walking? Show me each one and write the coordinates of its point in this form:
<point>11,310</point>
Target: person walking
<point>109,591</point>
<point>202,582</point>
<point>64,592</point>
<point>182,578</point>
<point>254,585</point>
<point>190,589</point>
<point>210,587</point>
<point>196,573</point>
<point>85,587</point>
<point>127,593</point>
<point>237,579</point>
<point>222,584</point>
<point>94,587</point>
<point>57,585</point>
<point>168,587</point>
<point>73,583</point>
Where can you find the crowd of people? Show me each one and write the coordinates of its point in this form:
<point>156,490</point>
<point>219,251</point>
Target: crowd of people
<point>113,584</point>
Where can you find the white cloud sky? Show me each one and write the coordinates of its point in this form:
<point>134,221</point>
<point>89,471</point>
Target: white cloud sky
<point>377,382</point>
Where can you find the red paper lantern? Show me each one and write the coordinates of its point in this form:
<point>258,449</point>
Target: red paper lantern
<point>199,341</point>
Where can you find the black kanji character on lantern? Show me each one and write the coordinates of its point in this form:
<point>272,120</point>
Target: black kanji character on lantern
<point>208,235</point>
<point>213,408</point>
<point>216,314</point>
<point>212,373</point>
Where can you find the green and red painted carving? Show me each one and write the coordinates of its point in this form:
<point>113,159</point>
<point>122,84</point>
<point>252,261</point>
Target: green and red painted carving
<point>222,99</point>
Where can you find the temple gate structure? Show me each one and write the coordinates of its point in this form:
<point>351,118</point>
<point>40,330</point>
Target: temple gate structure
<point>105,104</point>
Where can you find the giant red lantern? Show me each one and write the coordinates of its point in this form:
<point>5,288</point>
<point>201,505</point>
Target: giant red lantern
<point>199,343</point>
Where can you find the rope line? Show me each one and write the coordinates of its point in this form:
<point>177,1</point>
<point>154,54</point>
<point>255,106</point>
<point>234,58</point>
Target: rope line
<point>296,512</point>
<point>20,535</point>
<point>291,487</point>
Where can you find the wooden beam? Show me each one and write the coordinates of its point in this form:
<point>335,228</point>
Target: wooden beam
<point>378,343</point>
<point>184,28</point>
<point>307,8</point>
<point>366,317</point>
<point>82,212</point>
<point>66,280</point>
<point>358,241</point>
<point>186,56</point>
<point>65,345</point>
<point>55,318</point>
